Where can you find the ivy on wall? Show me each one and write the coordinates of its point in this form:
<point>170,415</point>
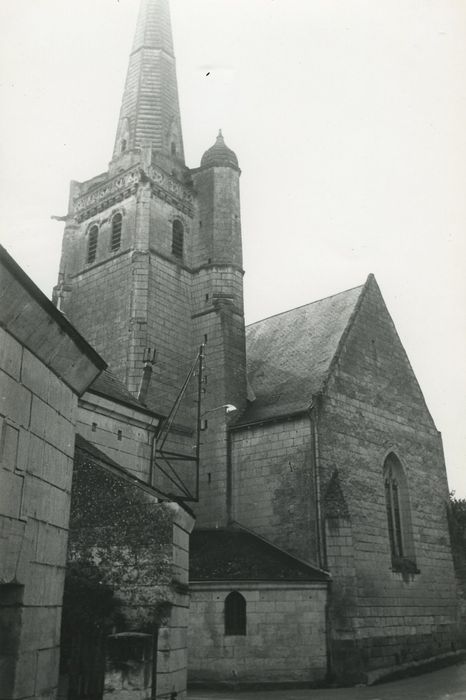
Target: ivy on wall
<point>120,545</point>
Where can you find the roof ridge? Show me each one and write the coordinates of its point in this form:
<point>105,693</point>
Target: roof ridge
<point>241,554</point>
<point>310,303</point>
<point>127,398</point>
<point>346,330</point>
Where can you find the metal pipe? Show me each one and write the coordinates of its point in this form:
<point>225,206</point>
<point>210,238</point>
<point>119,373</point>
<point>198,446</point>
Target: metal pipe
<point>321,549</point>
<point>199,417</point>
<point>149,361</point>
<point>155,647</point>
<point>229,495</point>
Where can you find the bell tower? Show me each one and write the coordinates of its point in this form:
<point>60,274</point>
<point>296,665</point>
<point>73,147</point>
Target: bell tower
<point>151,254</point>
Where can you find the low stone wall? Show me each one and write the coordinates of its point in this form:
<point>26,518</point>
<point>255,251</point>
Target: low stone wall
<point>285,638</point>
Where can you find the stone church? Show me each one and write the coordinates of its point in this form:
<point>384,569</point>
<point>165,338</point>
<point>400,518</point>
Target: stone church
<point>321,544</point>
<point>321,548</point>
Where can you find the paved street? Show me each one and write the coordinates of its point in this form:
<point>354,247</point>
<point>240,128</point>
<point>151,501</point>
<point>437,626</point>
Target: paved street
<point>446,684</point>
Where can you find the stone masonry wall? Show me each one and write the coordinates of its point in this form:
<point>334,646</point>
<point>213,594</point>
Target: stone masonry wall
<point>373,406</point>
<point>218,237</point>
<point>218,318</point>
<point>140,549</point>
<point>99,307</point>
<point>284,642</point>
<point>75,241</point>
<point>137,297</point>
<point>273,484</point>
<point>124,434</point>
<point>169,329</point>
<point>37,414</point>
<point>225,384</point>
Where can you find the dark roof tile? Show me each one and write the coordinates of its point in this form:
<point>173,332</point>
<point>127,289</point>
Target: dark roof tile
<point>235,554</point>
<point>108,386</point>
<point>289,355</point>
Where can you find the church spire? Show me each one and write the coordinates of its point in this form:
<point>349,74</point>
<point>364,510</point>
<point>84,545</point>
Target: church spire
<point>150,113</point>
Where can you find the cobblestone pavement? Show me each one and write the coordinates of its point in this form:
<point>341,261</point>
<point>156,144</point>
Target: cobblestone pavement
<point>446,684</point>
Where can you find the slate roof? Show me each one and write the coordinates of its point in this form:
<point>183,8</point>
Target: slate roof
<point>234,554</point>
<point>108,386</point>
<point>289,355</point>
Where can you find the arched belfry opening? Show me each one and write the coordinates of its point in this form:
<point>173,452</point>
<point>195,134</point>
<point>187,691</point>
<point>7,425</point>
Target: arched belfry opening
<point>117,224</point>
<point>177,238</point>
<point>93,235</point>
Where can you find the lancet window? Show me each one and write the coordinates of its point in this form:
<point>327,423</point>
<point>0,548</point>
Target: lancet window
<point>398,510</point>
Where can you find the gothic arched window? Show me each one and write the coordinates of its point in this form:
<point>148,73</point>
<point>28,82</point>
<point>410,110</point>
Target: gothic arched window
<point>177,238</point>
<point>115,240</point>
<point>398,510</point>
<point>92,243</point>
<point>235,614</point>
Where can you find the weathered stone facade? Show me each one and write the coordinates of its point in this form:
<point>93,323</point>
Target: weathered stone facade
<point>313,482</point>
<point>145,295</point>
<point>384,613</point>
<point>44,366</point>
<point>273,485</point>
<point>333,456</point>
<point>124,539</point>
<point>258,614</point>
<point>285,640</point>
<point>123,431</point>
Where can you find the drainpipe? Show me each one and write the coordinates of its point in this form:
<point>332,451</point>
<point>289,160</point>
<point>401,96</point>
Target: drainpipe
<point>314,417</point>
<point>320,525</point>
<point>152,457</point>
<point>149,361</point>
<point>229,495</point>
<point>155,646</point>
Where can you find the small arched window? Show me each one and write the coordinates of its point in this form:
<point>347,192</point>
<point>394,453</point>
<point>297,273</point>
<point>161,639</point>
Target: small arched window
<point>235,614</point>
<point>177,238</point>
<point>115,240</point>
<point>398,509</point>
<point>92,243</point>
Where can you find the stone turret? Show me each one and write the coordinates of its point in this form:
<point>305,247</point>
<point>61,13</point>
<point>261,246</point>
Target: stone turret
<point>217,184</point>
<point>219,287</point>
<point>219,155</point>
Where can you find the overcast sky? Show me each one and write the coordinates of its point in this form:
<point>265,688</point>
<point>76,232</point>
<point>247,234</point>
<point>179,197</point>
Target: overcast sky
<point>348,118</point>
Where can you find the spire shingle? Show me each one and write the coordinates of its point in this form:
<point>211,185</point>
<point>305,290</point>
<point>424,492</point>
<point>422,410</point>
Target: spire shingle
<point>150,113</point>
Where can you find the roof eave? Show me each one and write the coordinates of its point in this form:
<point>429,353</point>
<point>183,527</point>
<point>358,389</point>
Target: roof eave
<point>268,581</point>
<point>273,419</point>
<point>127,404</point>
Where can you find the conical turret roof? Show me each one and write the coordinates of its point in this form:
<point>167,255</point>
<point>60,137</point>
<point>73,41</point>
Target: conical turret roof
<point>219,155</point>
<point>150,112</point>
